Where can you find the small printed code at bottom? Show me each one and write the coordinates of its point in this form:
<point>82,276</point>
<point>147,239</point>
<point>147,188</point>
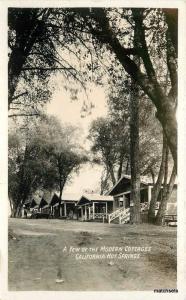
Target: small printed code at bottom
<point>165,291</point>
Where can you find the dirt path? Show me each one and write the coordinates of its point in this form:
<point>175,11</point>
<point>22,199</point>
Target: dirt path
<point>37,259</point>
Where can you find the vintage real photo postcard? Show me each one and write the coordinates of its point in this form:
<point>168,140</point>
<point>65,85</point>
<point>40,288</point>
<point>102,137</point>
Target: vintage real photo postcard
<point>93,150</point>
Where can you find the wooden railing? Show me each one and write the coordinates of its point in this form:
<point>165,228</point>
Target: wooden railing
<point>97,216</point>
<point>145,206</point>
<point>124,216</point>
<point>124,213</point>
<point>115,214</point>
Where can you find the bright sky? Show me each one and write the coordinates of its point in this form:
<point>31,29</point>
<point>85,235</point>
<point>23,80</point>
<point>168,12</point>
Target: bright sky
<point>69,111</point>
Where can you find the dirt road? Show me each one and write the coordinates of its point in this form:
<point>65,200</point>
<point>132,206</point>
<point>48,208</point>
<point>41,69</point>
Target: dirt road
<point>49,255</point>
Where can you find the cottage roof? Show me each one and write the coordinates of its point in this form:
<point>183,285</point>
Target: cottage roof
<point>36,198</point>
<point>47,196</point>
<point>123,184</point>
<point>69,196</point>
<point>95,197</point>
<point>54,200</point>
<point>46,199</point>
<point>39,198</point>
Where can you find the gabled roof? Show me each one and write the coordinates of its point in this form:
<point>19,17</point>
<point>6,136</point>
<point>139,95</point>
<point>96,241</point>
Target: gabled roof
<point>95,197</point>
<point>47,196</point>
<point>39,198</point>
<point>54,200</point>
<point>123,184</point>
<point>69,196</point>
<point>36,198</point>
<point>43,203</point>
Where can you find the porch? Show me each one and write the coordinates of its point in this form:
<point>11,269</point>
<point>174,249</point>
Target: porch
<point>124,199</point>
<point>66,208</point>
<point>94,207</point>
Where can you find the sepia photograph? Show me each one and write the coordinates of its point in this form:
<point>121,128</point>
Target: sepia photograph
<point>92,148</point>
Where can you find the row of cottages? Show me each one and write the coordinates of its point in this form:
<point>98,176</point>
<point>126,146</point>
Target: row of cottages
<point>85,207</point>
<point>48,202</point>
<point>115,206</point>
<point>73,206</point>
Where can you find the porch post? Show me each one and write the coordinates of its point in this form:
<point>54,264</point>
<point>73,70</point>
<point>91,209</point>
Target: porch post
<point>124,201</point>
<point>81,212</point>
<point>60,211</point>
<point>106,209</point>
<point>149,193</point>
<point>65,209</point>
<point>85,213</point>
<point>93,210</point>
<point>113,205</point>
<point>89,212</point>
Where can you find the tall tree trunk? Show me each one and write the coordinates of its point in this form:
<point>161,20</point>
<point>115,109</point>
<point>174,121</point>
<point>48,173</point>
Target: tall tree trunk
<point>120,167</point>
<point>22,48</point>
<point>61,191</point>
<point>163,204</point>
<point>22,184</point>
<point>111,171</point>
<point>166,171</point>
<point>134,142</point>
<point>14,210</point>
<point>11,206</point>
<point>127,166</point>
<point>157,187</point>
<point>104,181</point>
<point>134,155</point>
<point>18,211</point>
<point>61,186</point>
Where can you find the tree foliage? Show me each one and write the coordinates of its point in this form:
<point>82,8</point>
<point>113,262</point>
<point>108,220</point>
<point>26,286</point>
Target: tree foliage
<point>107,29</point>
<point>156,52</point>
<point>42,157</point>
<point>110,137</point>
<point>39,47</point>
<point>111,146</point>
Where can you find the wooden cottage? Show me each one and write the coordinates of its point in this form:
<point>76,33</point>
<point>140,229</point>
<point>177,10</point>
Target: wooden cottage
<point>68,206</point>
<point>45,203</point>
<point>54,206</point>
<point>121,192</point>
<point>94,206</point>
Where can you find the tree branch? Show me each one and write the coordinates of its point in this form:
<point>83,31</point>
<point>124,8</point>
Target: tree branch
<point>148,83</point>
<point>24,115</point>
<point>45,69</point>
<point>17,96</point>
